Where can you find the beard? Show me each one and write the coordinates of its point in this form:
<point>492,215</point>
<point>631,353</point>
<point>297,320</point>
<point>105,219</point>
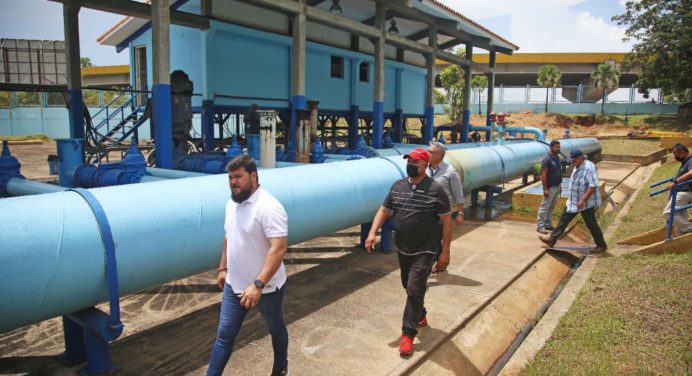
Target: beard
<point>678,158</point>
<point>241,196</point>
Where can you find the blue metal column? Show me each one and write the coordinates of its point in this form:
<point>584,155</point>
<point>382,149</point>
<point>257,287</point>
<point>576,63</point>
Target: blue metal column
<point>208,125</point>
<point>161,96</point>
<point>297,79</point>
<point>70,156</point>
<point>74,75</point>
<point>398,125</point>
<point>353,122</point>
<point>429,131</point>
<point>354,115</point>
<point>378,88</point>
<point>466,115</point>
<point>397,122</point>
<point>491,88</point>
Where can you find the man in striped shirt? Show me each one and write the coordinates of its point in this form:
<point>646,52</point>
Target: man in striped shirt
<point>584,198</point>
<point>419,204</point>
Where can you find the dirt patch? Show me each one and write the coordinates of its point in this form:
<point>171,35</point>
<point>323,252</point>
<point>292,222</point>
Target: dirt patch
<point>557,124</point>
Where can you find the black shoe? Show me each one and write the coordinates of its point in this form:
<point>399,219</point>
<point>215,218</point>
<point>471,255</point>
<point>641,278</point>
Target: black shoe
<point>547,241</point>
<point>279,372</point>
<point>599,249</point>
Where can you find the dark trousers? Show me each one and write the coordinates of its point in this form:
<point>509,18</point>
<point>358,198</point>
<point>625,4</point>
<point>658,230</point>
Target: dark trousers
<point>414,277</point>
<point>589,216</point>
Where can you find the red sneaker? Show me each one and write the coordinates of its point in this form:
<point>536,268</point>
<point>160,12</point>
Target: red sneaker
<point>406,345</point>
<point>423,322</point>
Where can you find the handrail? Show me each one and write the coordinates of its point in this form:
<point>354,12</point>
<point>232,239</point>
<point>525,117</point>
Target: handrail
<point>661,182</point>
<point>673,195</point>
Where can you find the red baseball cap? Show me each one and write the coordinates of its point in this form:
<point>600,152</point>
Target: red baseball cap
<point>419,154</point>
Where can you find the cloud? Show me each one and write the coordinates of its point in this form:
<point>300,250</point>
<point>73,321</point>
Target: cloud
<point>547,26</point>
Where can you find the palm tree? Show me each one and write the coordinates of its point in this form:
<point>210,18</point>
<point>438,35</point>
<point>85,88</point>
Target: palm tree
<point>479,82</point>
<point>606,77</point>
<point>548,76</point>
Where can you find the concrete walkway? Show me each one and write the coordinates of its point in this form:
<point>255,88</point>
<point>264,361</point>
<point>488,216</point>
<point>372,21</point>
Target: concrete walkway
<point>343,307</point>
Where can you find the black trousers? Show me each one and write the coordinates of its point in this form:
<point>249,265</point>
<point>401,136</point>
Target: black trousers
<point>414,277</point>
<point>589,216</point>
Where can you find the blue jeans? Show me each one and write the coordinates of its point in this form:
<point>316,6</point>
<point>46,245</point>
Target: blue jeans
<point>232,316</point>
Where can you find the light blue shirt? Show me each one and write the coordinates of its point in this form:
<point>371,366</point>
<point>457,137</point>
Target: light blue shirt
<point>583,178</point>
<point>450,181</point>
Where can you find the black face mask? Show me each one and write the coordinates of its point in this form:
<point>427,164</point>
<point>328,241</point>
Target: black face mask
<point>679,158</point>
<point>412,171</point>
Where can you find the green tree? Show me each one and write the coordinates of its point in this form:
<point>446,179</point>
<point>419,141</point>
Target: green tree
<point>662,31</point>
<point>605,76</point>
<point>439,97</point>
<point>479,83</point>
<point>452,79</point>
<point>549,77</point>
<point>85,62</point>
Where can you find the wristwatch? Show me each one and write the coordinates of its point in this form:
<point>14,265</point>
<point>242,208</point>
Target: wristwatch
<point>259,284</point>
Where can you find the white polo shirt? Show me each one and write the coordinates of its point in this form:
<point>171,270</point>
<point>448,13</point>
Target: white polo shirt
<point>248,226</point>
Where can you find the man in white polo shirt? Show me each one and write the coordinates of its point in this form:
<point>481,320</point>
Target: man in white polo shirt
<point>251,271</point>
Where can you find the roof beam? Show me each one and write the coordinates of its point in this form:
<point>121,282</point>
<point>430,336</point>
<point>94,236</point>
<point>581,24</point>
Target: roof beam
<point>141,10</point>
<point>358,28</point>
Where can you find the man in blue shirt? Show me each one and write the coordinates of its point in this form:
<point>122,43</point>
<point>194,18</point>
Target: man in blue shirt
<point>584,198</point>
<point>551,179</point>
<point>681,223</point>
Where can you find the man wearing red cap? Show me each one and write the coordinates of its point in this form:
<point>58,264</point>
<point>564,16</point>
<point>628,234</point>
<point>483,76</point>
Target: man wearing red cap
<point>419,204</point>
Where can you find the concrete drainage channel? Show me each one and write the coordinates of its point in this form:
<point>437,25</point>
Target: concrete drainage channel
<point>490,335</point>
<point>484,343</point>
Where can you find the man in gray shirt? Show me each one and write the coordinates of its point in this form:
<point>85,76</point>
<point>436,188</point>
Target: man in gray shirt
<point>449,179</point>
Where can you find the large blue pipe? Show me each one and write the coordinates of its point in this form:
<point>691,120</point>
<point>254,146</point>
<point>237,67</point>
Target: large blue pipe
<point>52,256</point>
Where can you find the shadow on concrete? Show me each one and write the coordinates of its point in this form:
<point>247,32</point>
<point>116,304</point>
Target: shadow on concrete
<point>190,288</point>
<point>29,365</point>
<point>183,345</point>
<point>443,353</point>
<point>446,278</point>
<point>318,250</point>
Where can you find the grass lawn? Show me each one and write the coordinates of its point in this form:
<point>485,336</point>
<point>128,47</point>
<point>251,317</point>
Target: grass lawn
<point>629,147</point>
<point>646,213</point>
<point>631,318</point>
<point>634,315</point>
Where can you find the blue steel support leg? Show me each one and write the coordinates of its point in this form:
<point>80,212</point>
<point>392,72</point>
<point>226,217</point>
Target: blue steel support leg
<point>398,125</point>
<point>364,231</point>
<point>98,355</point>
<point>75,352</point>
<point>208,125</point>
<point>490,191</point>
<point>466,126</point>
<point>76,113</point>
<point>474,197</point>
<point>354,120</point>
<point>377,124</point>
<point>161,117</point>
<point>429,124</point>
<point>297,103</point>
<point>386,236</point>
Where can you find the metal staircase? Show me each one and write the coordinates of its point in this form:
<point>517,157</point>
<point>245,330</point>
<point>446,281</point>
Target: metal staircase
<point>113,132</point>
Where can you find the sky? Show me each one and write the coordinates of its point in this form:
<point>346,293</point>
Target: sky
<point>533,25</point>
<point>550,25</point>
